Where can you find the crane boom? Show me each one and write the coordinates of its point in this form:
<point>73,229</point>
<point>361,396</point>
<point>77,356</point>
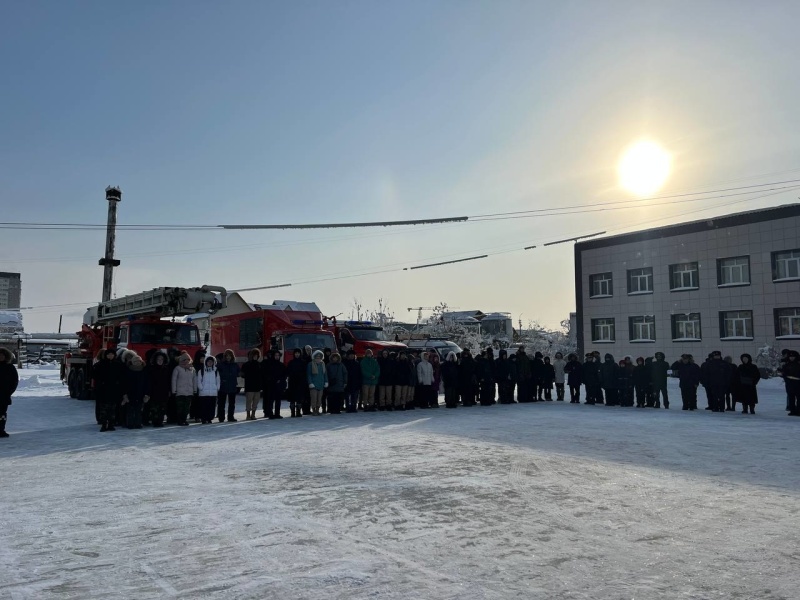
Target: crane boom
<point>159,302</point>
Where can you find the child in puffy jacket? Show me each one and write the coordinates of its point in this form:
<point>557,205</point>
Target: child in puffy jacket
<point>317,380</point>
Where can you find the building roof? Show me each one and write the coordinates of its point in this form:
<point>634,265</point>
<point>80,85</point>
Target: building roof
<point>709,224</point>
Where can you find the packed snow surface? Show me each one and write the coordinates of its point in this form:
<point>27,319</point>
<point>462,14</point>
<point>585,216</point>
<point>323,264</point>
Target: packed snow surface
<point>544,500</point>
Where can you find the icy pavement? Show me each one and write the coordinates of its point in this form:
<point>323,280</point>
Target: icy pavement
<point>545,500</point>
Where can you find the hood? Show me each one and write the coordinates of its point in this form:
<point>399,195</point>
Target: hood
<point>127,356</point>
<point>8,354</point>
<point>254,354</point>
<point>159,353</point>
<point>213,365</point>
<point>317,353</point>
<point>608,357</point>
<point>230,353</point>
<point>451,354</point>
<point>659,356</point>
<point>185,359</point>
<point>794,353</point>
<point>308,349</point>
<point>749,358</point>
<point>136,363</point>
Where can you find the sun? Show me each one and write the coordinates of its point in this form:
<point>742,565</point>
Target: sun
<point>644,168</point>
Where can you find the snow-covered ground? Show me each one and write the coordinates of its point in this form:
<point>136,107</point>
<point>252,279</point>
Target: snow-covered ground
<point>545,500</point>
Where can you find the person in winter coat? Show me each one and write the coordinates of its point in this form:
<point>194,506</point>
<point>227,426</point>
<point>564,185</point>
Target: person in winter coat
<point>9,380</point>
<point>591,379</point>
<point>558,366</point>
<point>791,379</point>
<point>136,387</point>
<point>159,379</point>
<point>228,386</point>
<point>370,376</point>
<point>537,377</point>
<point>573,370</point>
<point>609,380</point>
<point>184,387</point>
<point>317,375</point>
<point>307,357</point>
<point>641,381</point>
<point>502,372</point>
<point>385,380</point>
<point>486,377</point>
<point>198,365</point>
<point>649,401</point>
<point>450,380</point>
<point>512,377</point>
<point>548,377</point>
<point>253,382</point>
<point>524,391</point>
<point>354,382</point>
<point>297,383</point>
<point>748,379</point>
<point>732,390</point>
<point>625,382</point>
<point>273,373</point>
<point>716,380</point>
<point>109,386</point>
<point>658,380</point>
<point>467,379</point>
<point>337,383</point>
<point>403,383</point>
<point>425,382</point>
<point>208,384</point>
<point>689,379</point>
<point>436,365</point>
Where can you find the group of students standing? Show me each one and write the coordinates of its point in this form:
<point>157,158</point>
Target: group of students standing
<point>136,392</point>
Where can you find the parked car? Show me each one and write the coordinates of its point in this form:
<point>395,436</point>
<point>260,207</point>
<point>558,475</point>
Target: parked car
<point>442,347</point>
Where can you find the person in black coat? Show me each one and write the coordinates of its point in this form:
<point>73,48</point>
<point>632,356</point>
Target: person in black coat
<point>641,381</point>
<point>548,377</point>
<point>790,371</point>
<point>450,380</point>
<point>9,380</point>
<point>625,382</point>
<point>297,383</point>
<point>689,378</point>
<point>748,378</point>
<point>109,386</point>
<point>573,372</point>
<point>354,381</point>
<point>159,381</point>
<point>137,386</point>
<point>502,373</point>
<point>467,379</point>
<point>591,379</point>
<point>716,379</point>
<point>537,374</point>
<point>385,380</point>
<point>609,380</point>
<point>273,373</point>
<point>658,380</point>
<point>486,376</point>
<point>731,392</point>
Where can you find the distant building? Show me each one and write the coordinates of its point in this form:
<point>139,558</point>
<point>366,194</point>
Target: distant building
<point>730,283</point>
<point>10,290</point>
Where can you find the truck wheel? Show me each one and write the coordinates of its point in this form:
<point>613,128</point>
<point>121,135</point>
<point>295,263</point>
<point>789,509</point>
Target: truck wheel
<point>80,386</point>
<point>73,392</point>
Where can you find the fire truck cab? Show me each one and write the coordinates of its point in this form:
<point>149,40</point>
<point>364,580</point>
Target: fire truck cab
<point>361,336</point>
<point>269,327</point>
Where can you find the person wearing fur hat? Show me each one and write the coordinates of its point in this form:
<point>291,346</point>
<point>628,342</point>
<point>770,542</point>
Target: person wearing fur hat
<point>317,381</point>
<point>109,384</point>
<point>9,380</point>
<point>689,377</point>
<point>748,379</point>
<point>253,382</point>
<point>208,382</point>
<point>184,387</point>
<point>297,383</point>
<point>159,379</point>
<point>136,388</point>
<point>228,386</point>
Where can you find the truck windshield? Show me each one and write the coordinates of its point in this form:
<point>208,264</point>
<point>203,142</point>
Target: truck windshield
<point>164,333</point>
<point>370,335</point>
<point>317,341</point>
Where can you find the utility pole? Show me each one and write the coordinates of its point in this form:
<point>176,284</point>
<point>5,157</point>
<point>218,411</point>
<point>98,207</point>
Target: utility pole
<point>114,197</point>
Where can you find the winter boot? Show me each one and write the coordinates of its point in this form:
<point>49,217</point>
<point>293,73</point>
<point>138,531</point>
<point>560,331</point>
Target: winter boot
<point>666,403</point>
<point>3,433</point>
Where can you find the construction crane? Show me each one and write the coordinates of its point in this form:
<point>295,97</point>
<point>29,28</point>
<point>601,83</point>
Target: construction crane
<point>419,310</point>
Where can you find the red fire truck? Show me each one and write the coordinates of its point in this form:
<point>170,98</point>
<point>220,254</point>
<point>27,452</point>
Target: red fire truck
<point>139,322</point>
<point>360,336</point>
<point>269,327</point>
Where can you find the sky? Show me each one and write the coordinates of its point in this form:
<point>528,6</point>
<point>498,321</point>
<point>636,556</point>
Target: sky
<point>308,112</point>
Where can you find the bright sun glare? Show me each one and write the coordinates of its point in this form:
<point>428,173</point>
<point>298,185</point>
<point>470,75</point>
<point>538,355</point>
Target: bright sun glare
<point>644,168</point>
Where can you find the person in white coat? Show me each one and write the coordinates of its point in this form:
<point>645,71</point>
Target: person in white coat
<point>207,389</point>
<point>427,395</point>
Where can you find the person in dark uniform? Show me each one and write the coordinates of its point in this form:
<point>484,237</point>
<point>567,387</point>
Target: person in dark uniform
<point>109,385</point>
<point>573,369</point>
<point>159,379</point>
<point>297,383</point>
<point>467,379</point>
<point>658,380</point>
<point>747,380</point>
<point>273,372</point>
<point>689,378</point>
<point>641,382</point>
<point>9,380</point>
<point>717,378</point>
<point>609,380</point>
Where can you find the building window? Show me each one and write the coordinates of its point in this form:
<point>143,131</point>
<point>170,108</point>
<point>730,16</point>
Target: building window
<point>640,281</point>
<point>736,325</point>
<point>603,330</point>
<point>642,329</point>
<point>733,271</point>
<point>250,333</point>
<point>684,276</point>
<point>601,285</point>
<point>686,328</point>
<point>786,265</point>
<point>787,323</point>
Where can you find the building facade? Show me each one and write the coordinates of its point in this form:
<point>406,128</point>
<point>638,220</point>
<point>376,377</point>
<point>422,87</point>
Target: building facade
<point>10,290</point>
<point>730,283</point>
